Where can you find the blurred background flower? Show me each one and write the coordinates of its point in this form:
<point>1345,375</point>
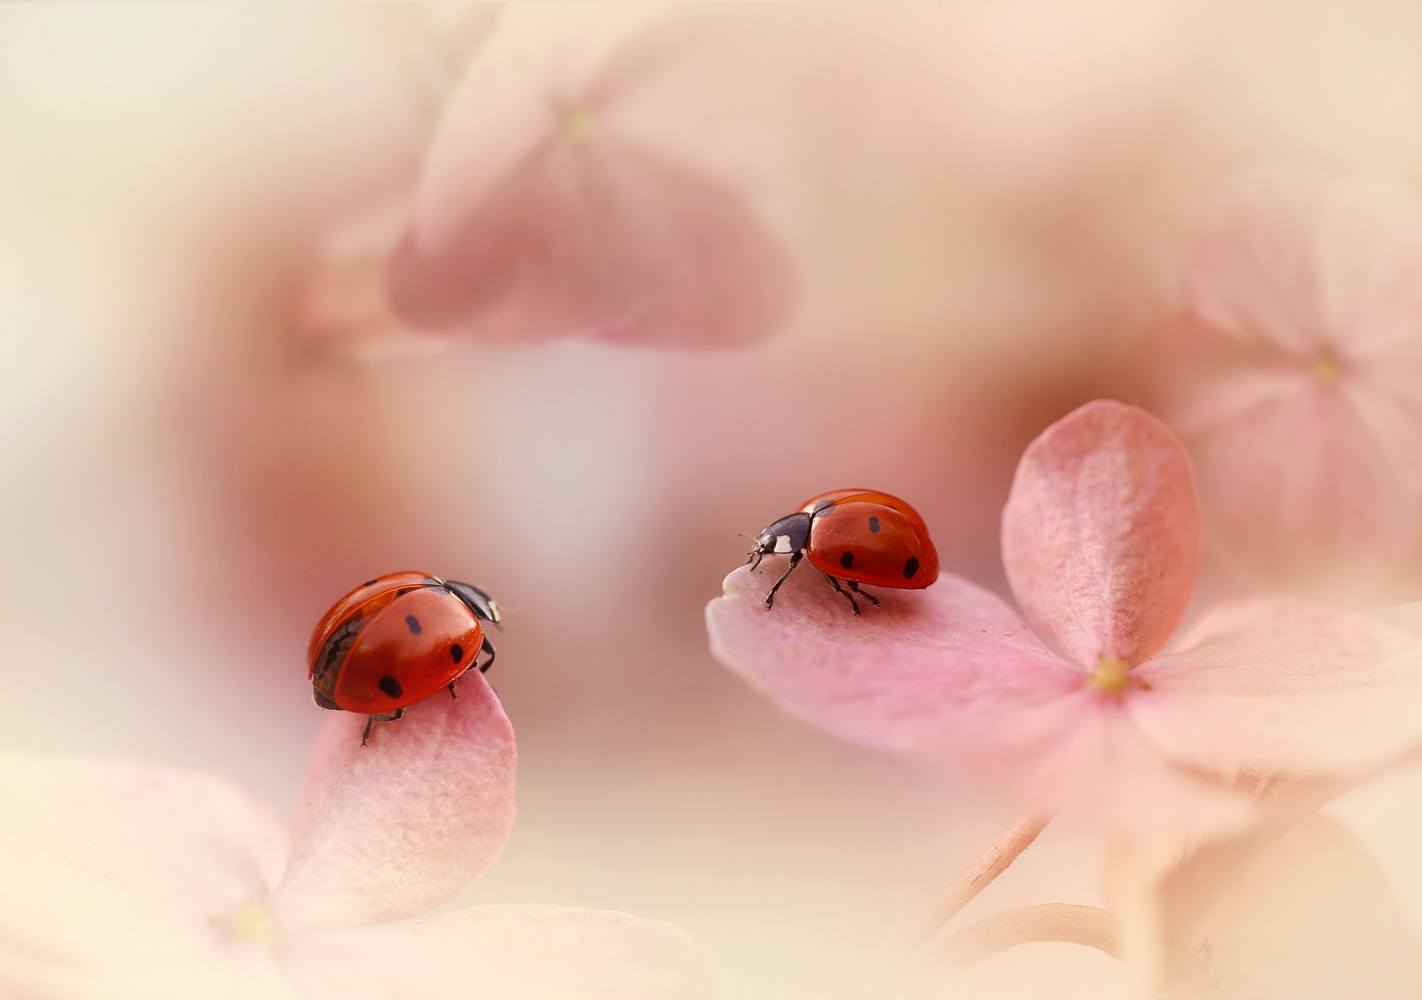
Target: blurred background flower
<point>985,210</point>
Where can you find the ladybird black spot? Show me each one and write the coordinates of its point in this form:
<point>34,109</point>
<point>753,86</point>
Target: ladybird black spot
<point>873,524</point>
<point>456,652</point>
<point>910,567</point>
<point>391,686</point>
<point>847,560</point>
<point>371,583</point>
<point>414,623</point>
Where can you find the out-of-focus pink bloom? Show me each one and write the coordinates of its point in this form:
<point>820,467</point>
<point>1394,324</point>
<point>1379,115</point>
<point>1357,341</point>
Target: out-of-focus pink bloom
<point>1095,720</point>
<point>1295,377</point>
<point>127,880</point>
<point>552,202</point>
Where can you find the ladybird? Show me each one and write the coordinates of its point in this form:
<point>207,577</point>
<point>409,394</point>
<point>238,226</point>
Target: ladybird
<point>396,640</point>
<point>853,537</point>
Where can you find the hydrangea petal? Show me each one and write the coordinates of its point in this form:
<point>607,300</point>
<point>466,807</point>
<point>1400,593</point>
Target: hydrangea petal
<point>1101,534</point>
<point>121,880</point>
<point>607,238</point>
<point>1285,688</point>
<point>392,829</point>
<point>528,952</point>
<point>1308,915</point>
<point>897,678</point>
<point>1340,501</point>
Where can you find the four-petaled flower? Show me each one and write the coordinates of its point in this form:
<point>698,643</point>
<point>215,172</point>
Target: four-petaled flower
<point>1092,716</point>
<point>128,880</point>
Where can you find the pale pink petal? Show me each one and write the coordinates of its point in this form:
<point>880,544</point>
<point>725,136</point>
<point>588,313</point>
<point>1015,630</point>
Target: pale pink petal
<point>1367,238</point>
<point>1296,690</point>
<point>509,102</point>
<point>540,215</point>
<point>1301,486</point>
<point>605,238</point>
<point>122,880</point>
<point>344,309</point>
<point>1307,915</point>
<point>392,829</point>
<point>898,678</point>
<point>1101,534</point>
<point>510,953</point>
<point>1254,275</point>
<point>951,675</point>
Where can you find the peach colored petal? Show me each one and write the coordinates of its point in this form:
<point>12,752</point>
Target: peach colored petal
<point>1306,915</point>
<point>1299,691</point>
<point>1101,534</point>
<point>392,829</point>
<point>510,953</point>
<point>120,880</point>
<point>896,679</point>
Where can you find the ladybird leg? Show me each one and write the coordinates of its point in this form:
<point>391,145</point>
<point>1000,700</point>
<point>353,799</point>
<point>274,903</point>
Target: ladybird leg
<point>488,647</point>
<point>863,593</point>
<point>794,561</point>
<point>451,690</point>
<point>365,736</point>
<point>853,604</point>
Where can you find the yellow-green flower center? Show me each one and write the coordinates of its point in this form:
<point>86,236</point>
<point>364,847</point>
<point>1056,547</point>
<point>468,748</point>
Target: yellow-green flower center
<point>252,922</point>
<point>1111,674</point>
<point>1326,368</point>
<point>575,122</point>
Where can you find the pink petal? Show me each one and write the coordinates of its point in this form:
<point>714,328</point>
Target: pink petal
<point>529,227</point>
<point>1101,534</point>
<point>608,239</point>
<point>392,829</point>
<point>120,880</point>
<point>1254,275</point>
<point>1300,485</point>
<point>510,953</point>
<point>895,679</point>
<point>1307,915</point>
<point>1285,689</point>
<point>951,675</point>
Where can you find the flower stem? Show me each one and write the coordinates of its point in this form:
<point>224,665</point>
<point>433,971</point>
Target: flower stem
<point>981,873</point>
<point>1049,922</point>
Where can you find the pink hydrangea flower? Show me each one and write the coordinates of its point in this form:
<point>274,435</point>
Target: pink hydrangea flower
<point>553,202</point>
<point>127,880</point>
<point>1295,377</point>
<point>1091,708</point>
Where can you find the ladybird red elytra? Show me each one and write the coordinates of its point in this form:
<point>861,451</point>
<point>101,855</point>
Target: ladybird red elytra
<point>396,640</point>
<point>853,536</point>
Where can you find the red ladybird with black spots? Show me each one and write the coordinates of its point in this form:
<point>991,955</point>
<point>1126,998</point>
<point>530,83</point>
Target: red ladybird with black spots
<point>396,640</point>
<point>853,536</point>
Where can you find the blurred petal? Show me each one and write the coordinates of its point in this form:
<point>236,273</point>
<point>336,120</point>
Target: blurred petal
<point>122,880</point>
<point>1281,506</point>
<point>1254,275</point>
<point>540,215</point>
<point>1101,533</point>
<point>897,678</point>
<point>604,238</point>
<point>392,829</point>
<point>1309,915</point>
<point>510,953</point>
<point>1296,690</point>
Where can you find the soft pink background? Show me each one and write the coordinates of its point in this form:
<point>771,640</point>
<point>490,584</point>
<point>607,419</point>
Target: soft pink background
<point>189,482</point>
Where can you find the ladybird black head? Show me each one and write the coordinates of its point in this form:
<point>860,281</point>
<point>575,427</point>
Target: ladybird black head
<point>476,601</point>
<point>786,536</point>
